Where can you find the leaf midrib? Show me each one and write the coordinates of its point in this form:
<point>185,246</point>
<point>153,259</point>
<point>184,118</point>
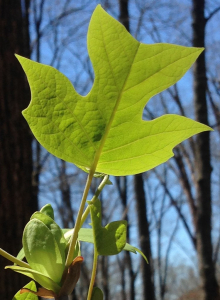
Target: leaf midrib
<point>108,127</point>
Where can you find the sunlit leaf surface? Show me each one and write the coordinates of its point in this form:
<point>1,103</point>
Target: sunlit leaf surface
<point>104,130</point>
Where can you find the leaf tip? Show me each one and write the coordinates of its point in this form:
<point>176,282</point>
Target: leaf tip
<point>20,58</point>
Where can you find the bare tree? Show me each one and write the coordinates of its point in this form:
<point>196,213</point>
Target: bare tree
<point>203,162</point>
<point>127,261</point>
<point>144,238</point>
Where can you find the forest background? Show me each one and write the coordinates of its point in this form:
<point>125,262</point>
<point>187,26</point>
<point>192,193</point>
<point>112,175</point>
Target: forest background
<point>172,211</point>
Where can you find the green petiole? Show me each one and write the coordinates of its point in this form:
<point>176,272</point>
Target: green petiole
<point>14,259</point>
<point>97,193</point>
<point>94,268</point>
<point>74,237</point>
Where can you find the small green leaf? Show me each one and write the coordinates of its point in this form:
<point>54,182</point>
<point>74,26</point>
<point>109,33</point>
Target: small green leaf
<point>108,240</point>
<point>86,235</point>
<point>141,253</point>
<point>42,251</point>
<point>130,248</point>
<point>48,210</point>
<point>43,280</point>
<point>92,131</point>
<point>27,296</point>
<point>97,294</point>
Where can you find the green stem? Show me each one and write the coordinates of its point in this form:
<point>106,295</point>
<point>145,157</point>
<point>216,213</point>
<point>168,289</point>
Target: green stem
<point>94,268</point>
<point>74,237</point>
<point>14,259</point>
<point>97,193</point>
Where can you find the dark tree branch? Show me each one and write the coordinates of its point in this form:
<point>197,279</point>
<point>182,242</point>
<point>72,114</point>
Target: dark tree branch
<point>215,11</point>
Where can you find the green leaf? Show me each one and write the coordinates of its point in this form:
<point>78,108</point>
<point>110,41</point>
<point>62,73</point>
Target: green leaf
<point>97,294</point>
<point>141,253</point>
<point>108,240</point>
<point>27,296</point>
<point>130,248</point>
<point>92,131</point>
<point>48,210</point>
<point>86,235</point>
<point>42,251</point>
<point>43,280</point>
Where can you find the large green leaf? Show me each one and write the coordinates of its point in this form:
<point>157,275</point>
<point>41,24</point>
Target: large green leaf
<point>27,296</point>
<point>104,130</point>
<point>42,251</point>
<point>108,240</point>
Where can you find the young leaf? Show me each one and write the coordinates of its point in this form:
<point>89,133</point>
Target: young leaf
<point>42,279</point>
<point>92,131</point>
<point>54,229</point>
<point>28,296</point>
<point>42,251</point>
<point>48,210</point>
<point>108,240</point>
<point>86,235</point>
<point>97,294</point>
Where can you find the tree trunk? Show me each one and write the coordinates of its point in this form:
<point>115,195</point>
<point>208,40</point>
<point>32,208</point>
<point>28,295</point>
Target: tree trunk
<point>147,273</point>
<point>122,188</point>
<point>105,276</point>
<point>65,209</point>
<point>16,198</point>
<point>144,236</point>
<point>203,162</point>
<point>123,13</point>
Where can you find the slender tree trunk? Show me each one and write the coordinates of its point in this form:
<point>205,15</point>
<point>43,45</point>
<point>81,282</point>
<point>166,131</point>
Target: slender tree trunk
<point>16,195</point>
<point>203,162</point>
<point>144,235</point>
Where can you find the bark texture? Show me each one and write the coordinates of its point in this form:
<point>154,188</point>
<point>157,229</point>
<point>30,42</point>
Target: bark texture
<point>16,199</point>
<point>203,162</point>
<point>144,236</point>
